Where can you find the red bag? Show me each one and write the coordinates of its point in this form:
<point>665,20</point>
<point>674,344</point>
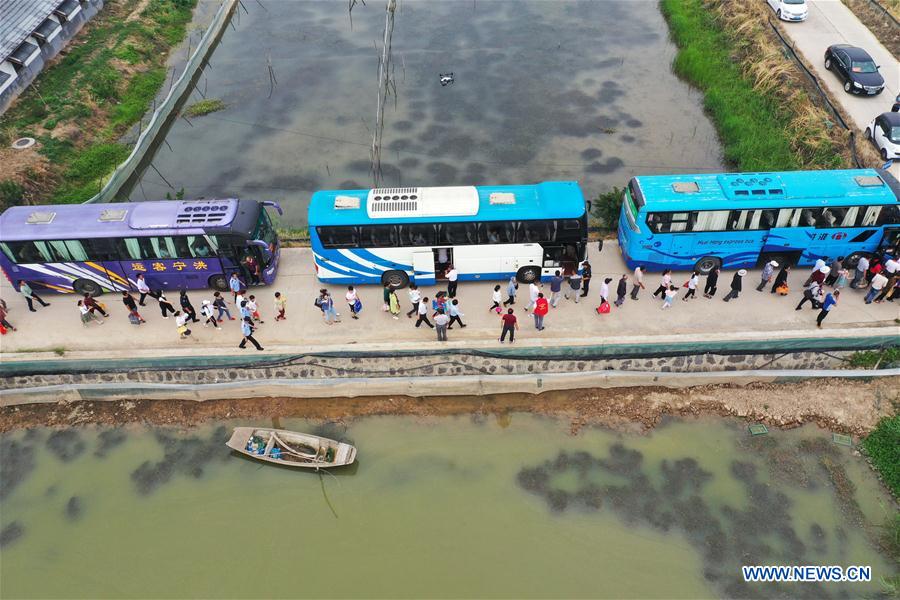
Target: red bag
<point>603,308</point>
<point>2,330</point>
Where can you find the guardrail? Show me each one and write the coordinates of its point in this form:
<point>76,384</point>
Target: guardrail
<point>822,95</point>
<point>164,111</point>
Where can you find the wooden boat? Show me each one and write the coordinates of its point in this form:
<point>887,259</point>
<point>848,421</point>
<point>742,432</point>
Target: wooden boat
<point>290,448</point>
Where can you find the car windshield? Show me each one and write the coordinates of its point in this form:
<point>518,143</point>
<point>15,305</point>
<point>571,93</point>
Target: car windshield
<point>794,1</point>
<point>894,134</point>
<point>866,66</point>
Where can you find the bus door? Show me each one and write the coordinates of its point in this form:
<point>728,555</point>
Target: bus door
<point>423,268</point>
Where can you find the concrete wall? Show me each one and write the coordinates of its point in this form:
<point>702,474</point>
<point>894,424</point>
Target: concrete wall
<point>47,52</point>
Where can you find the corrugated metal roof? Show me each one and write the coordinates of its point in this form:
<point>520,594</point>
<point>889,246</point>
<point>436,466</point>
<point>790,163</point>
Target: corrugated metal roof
<point>18,18</point>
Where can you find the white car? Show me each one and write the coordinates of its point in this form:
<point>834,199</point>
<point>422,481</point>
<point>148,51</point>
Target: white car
<point>884,131</point>
<point>790,10</point>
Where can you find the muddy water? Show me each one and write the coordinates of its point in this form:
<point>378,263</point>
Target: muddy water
<point>444,506</point>
<point>542,90</point>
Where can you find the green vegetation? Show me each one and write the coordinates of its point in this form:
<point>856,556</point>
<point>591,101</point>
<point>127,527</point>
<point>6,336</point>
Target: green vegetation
<point>80,107</point>
<point>869,359</point>
<point>10,192</point>
<point>606,207</point>
<point>883,448</point>
<point>204,107</point>
<point>764,122</point>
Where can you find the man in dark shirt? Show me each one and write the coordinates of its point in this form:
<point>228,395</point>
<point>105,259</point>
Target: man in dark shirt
<point>509,326</point>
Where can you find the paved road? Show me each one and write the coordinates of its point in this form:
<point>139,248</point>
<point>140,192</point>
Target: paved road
<point>753,315</point>
<point>831,22</point>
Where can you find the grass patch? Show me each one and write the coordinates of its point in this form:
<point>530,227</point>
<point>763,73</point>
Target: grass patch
<point>102,86</point>
<point>869,359</point>
<point>204,107</point>
<point>752,92</point>
<point>882,446</point>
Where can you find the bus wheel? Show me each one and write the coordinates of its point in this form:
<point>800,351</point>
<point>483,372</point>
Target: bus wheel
<point>395,279</point>
<point>218,283</point>
<point>853,259</point>
<point>86,286</point>
<point>528,274</point>
<point>707,264</point>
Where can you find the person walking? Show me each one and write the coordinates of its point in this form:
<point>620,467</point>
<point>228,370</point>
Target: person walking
<point>604,290</point>
<point>441,322</point>
<point>386,298</point>
<point>621,290</point>
<point>509,324</point>
<point>455,314</point>
<point>736,283</point>
<point>879,282</point>
<point>555,288</point>
<point>452,280</point>
<point>692,284</point>
<point>94,306</point>
<point>843,277</point>
<point>496,299</point>
<point>252,269</point>
<point>423,313</point>
<point>328,311</point>
<point>585,278</point>
<point>414,297</point>
<point>280,307</point>
<point>830,302</point>
<point>533,293</point>
<point>541,308</point>
<point>836,267</point>
<point>812,294</point>
<point>235,285</point>
<point>781,279</point>
<point>574,286</point>
<point>247,330</point>
<point>669,296</point>
<point>142,288</point>
<point>87,315</point>
<point>394,305</point>
<point>4,324</point>
<point>353,302</point>
<point>766,276</point>
<point>133,315</point>
<point>164,305</point>
<point>244,310</point>
<point>221,306</point>
<point>638,281</point>
<point>30,296</point>
<point>861,267</point>
<point>181,327</point>
<point>512,287</point>
<point>664,284</point>
<point>817,271</point>
<point>206,311</point>
<point>187,307</point>
<point>254,309</point>
<point>712,283</point>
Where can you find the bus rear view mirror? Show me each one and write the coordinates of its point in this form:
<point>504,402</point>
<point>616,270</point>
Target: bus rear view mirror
<point>274,205</point>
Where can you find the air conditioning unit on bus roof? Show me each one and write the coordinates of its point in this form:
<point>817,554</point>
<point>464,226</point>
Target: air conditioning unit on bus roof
<point>457,201</point>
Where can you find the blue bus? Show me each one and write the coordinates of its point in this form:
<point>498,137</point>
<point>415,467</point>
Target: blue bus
<point>96,248</point>
<point>740,220</point>
<point>397,235</point>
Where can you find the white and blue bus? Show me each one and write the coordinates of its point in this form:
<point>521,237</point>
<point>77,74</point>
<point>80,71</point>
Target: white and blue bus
<point>398,235</point>
<point>739,220</point>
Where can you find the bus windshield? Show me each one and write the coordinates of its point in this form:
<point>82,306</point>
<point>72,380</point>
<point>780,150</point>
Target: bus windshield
<point>265,231</point>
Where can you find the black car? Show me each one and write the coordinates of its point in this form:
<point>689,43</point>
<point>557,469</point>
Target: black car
<point>856,68</point>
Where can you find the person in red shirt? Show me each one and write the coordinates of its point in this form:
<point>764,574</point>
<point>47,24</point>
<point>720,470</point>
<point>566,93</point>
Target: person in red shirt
<point>541,306</point>
<point>509,326</point>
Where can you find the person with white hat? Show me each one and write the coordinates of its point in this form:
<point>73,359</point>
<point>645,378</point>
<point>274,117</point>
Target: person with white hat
<point>735,285</point>
<point>767,273</point>
<point>206,311</point>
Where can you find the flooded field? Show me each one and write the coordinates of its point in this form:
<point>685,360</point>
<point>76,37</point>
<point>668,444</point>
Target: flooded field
<point>541,90</point>
<point>512,506</point>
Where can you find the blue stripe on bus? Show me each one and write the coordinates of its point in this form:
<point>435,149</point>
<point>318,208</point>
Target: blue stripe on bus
<point>367,255</point>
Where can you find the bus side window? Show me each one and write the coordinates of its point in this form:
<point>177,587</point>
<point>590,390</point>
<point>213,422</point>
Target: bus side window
<point>378,236</point>
<point>870,216</point>
<point>30,252</point>
<point>417,234</point>
<point>849,219</point>
<point>497,232</point>
<point>536,232</point>
<point>890,215</point>
<point>338,237</point>
<point>788,217</point>
<point>711,220</point>
<point>458,233</point>
<point>181,247</point>
<point>130,249</point>
<point>568,230</point>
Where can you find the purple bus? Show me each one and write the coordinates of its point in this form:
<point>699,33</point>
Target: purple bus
<point>96,248</point>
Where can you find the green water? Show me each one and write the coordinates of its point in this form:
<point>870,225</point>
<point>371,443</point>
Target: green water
<point>449,507</point>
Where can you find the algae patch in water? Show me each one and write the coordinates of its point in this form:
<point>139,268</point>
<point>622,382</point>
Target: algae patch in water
<point>11,533</point>
<point>185,456</point>
<point>109,439</point>
<point>66,444</point>
<point>16,463</point>
<point>74,508</point>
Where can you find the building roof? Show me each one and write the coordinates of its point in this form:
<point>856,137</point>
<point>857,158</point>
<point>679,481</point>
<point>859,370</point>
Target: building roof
<point>18,18</point>
<point>548,200</point>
